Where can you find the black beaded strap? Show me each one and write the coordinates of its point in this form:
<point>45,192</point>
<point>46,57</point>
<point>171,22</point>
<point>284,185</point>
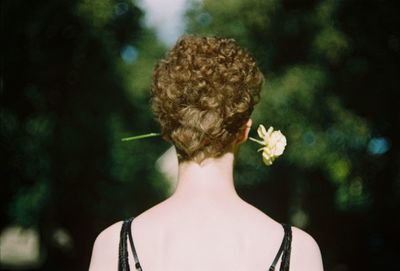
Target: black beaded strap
<point>284,250</point>
<point>135,256</point>
<point>123,263</point>
<point>288,248</point>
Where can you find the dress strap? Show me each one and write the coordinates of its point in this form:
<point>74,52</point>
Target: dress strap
<point>284,250</point>
<point>135,256</point>
<point>123,262</point>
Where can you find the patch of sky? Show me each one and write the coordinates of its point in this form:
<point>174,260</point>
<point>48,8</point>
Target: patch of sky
<point>121,8</point>
<point>129,54</point>
<point>204,19</point>
<point>378,145</point>
<point>309,138</point>
<point>166,17</point>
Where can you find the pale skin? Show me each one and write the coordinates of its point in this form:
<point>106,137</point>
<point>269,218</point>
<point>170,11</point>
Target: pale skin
<point>205,225</point>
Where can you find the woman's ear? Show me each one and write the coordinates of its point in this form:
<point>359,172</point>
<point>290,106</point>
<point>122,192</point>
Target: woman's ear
<point>245,132</point>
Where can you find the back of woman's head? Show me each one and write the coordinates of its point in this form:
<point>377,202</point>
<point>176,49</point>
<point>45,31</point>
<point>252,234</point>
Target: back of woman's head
<point>203,93</point>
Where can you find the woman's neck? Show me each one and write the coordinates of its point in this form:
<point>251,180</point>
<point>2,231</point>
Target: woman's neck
<point>210,182</point>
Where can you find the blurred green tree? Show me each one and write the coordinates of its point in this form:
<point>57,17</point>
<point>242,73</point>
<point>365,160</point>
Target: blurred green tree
<point>327,65</point>
<point>70,91</point>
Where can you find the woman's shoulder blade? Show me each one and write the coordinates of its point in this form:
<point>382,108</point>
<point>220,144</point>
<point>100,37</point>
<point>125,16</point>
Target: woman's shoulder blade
<point>105,249</point>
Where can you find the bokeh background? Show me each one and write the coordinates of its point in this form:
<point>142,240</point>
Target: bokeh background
<point>75,79</point>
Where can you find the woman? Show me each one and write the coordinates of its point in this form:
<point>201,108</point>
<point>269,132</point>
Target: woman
<point>203,93</point>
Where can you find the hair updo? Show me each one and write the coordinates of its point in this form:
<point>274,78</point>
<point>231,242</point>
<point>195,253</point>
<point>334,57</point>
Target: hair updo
<point>203,92</point>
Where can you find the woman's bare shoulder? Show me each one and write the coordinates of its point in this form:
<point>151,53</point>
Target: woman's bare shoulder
<point>105,249</point>
<point>306,254</point>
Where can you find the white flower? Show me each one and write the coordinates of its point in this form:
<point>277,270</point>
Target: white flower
<point>274,143</point>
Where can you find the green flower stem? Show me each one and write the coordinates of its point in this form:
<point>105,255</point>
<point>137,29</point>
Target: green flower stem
<point>256,140</point>
<point>140,136</point>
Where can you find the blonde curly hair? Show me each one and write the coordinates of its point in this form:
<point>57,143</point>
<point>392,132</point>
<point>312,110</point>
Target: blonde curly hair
<point>203,92</point>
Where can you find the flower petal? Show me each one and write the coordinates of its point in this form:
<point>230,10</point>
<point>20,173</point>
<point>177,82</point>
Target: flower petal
<point>262,132</point>
<point>267,159</point>
<point>270,130</point>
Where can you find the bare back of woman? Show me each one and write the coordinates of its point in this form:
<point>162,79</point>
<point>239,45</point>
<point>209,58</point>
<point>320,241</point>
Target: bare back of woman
<point>204,225</point>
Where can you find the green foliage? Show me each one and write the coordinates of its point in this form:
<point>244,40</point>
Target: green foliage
<point>299,96</point>
<point>99,13</point>
<point>324,92</point>
<point>77,80</point>
<point>69,96</point>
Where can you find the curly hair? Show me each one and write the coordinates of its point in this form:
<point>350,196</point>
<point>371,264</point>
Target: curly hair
<point>203,92</point>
